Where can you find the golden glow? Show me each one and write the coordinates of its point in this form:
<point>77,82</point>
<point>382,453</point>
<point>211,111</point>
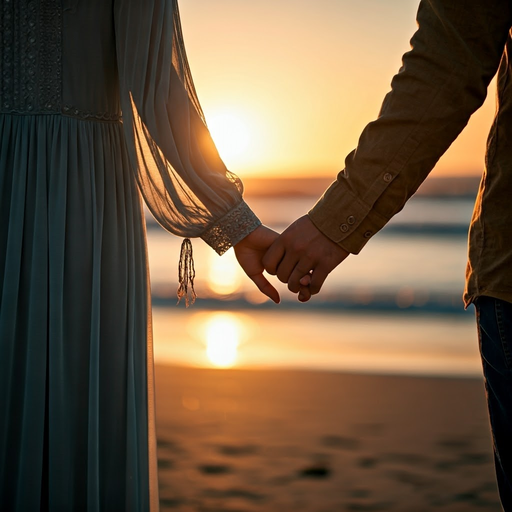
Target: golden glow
<point>222,340</point>
<point>298,109</point>
<point>230,133</point>
<point>224,274</point>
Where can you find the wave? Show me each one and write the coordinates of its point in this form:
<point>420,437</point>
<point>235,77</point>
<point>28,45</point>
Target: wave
<point>385,303</point>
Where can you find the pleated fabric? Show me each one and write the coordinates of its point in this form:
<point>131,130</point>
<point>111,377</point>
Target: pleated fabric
<point>73,319</point>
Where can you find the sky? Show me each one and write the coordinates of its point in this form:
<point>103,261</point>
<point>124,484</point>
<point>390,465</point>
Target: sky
<point>287,86</point>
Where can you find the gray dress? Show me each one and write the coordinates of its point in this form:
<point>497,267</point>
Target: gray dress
<point>76,371</point>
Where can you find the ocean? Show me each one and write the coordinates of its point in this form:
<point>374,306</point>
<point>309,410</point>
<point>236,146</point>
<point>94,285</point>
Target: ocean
<point>395,308</point>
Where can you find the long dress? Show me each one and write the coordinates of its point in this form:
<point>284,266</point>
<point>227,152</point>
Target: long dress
<point>76,370</point>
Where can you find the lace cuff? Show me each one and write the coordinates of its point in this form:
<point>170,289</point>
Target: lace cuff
<point>230,229</point>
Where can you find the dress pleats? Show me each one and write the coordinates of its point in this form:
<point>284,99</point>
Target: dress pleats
<point>73,318</point>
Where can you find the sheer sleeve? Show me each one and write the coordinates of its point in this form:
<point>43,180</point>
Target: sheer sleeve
<point>184,181</point>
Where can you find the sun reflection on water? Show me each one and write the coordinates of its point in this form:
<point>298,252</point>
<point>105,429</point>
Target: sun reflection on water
<point>222,339</point>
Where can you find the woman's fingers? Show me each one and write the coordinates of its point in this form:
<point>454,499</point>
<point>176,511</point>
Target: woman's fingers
<point>265,287</point>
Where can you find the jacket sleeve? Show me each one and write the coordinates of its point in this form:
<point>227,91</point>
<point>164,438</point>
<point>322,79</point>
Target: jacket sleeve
<point>454,55</point>
<point>183,180</point>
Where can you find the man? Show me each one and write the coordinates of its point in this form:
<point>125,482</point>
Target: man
<point>458,48</point>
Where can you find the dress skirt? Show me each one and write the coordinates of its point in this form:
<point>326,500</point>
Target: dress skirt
<point>76,368</point>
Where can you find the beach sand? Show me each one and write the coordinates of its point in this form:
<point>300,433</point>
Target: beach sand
<point>292,440</point>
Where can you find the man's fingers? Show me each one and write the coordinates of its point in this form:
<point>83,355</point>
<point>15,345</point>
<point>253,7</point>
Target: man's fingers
<point>306,280</point>
<point>273,257</point>
<point>265,287</point>
<point>286,267</point>
<point>301,270</point>
<point>304,294</point>
<point>318,277</point>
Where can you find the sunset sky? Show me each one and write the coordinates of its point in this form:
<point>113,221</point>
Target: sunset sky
<point>293,82</point>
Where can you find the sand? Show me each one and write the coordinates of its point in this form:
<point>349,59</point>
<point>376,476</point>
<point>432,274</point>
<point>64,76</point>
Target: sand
<point>290,440</point>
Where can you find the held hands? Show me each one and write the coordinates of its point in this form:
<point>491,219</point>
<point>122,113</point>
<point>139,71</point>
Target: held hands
<point>302,257</point>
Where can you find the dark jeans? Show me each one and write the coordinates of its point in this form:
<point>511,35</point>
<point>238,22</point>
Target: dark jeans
<point>494,318</point>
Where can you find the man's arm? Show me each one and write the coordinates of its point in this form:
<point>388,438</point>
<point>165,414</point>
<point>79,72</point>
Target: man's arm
<point>443,80</point>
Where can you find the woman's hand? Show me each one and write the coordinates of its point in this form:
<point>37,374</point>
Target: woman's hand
<point>249,253</point>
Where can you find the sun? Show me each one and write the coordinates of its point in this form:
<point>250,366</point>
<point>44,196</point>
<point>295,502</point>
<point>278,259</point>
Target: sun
<point>230,134</point>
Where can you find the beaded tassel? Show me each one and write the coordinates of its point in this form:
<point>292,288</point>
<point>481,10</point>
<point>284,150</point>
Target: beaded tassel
<point>186,274</point>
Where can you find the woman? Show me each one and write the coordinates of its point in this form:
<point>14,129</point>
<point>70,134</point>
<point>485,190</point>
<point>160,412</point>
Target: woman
<point>76,369</point>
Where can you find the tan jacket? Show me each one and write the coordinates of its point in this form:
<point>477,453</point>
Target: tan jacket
<point>455,53</point>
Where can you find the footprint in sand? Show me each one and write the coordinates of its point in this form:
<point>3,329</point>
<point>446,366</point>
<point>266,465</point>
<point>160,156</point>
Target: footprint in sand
<point>215,469</point>
<point>237,451</point>
<point>168,445</point>
<point>315,471</point>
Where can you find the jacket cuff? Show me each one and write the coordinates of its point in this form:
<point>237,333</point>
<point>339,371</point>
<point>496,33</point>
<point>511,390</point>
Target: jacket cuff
<point>345,218</point>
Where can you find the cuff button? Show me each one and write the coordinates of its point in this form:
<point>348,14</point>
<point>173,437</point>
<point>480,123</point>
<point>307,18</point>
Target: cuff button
<point>344,228</point>
<point>387,177</point>
<point>368,234</point>
<point>351,220</point>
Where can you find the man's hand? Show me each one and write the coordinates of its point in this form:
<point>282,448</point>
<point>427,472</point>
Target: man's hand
<point>303,257</point>
<point>249,253</point>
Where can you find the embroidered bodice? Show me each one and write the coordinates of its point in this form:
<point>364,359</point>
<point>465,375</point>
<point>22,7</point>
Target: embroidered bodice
<point>31,56</point>
<point>35,63</point>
